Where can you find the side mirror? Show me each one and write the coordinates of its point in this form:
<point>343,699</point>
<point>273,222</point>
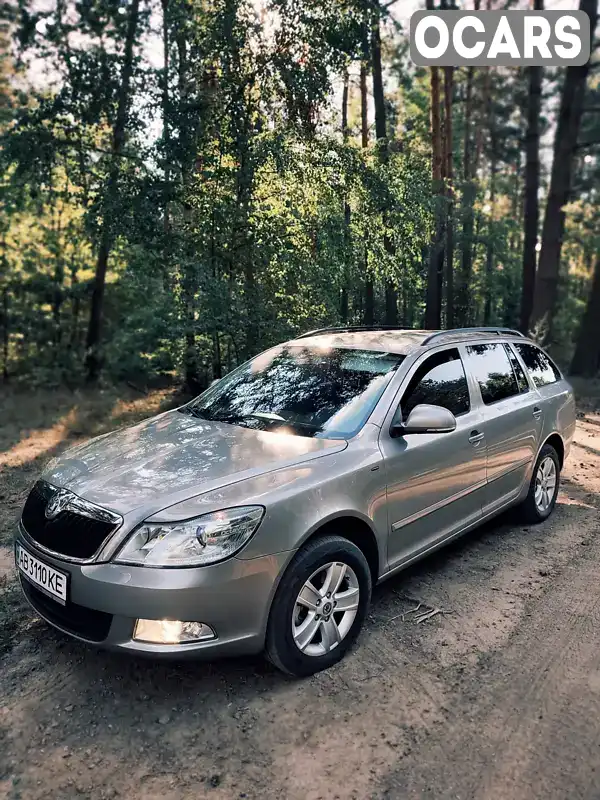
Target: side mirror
<point>425,418</point>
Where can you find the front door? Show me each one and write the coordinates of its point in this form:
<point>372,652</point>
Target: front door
<point>512,421</point>
<point>435,482</point>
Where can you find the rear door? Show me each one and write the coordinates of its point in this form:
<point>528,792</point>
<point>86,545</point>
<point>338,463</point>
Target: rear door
<point>435,482</point>
<point>512,419</point>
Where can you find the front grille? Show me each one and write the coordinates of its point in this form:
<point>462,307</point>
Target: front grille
<point>85,622</point>
<point>69,533</point>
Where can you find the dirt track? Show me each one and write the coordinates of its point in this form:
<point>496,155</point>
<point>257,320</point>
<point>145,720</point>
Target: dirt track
<point>498,698</point>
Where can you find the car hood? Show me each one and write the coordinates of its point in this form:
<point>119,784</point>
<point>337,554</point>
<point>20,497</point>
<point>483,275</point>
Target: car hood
<point>173,456</point>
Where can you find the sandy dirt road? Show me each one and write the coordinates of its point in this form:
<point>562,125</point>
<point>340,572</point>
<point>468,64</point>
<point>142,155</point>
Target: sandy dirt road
<point>498,698</point>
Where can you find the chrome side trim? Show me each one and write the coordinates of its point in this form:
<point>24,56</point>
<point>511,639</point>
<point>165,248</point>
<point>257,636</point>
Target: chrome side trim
<point>524,462</point>
<point>447,500</point>
<point>437,506</point>
<point>442,542</point>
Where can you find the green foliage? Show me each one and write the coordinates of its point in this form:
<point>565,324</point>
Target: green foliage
<point>238,214</point>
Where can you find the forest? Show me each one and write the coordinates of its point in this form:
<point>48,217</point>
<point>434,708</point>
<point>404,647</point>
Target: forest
<point>187,182</point>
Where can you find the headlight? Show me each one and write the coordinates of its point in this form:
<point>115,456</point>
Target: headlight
<point>203,540</point>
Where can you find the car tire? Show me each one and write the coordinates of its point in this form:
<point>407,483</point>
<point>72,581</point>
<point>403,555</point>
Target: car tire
<point>539,504</point>
<point>315,568</point>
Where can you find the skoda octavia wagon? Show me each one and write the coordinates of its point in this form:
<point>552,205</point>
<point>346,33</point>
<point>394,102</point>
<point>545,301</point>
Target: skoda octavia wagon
<point>259,515</point>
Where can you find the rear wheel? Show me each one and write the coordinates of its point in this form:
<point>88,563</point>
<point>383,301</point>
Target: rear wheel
<point>543,489</point>
<point>319,607</point>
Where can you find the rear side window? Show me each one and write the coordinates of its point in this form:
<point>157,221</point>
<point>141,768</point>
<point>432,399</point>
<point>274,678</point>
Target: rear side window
<point>518,370</point>
<point>440,381</point>
<point>494,373</point>
<point>538,364</point>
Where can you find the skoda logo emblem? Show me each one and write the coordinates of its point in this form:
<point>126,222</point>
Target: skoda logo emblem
<point>58,502</point>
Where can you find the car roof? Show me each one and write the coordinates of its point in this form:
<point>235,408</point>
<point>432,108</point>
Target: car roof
<point>398,340</point>
<point>401,342</point>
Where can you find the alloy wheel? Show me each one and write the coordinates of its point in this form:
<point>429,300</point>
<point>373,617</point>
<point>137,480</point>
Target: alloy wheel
<point>545,484</point>
<point>325,608</point>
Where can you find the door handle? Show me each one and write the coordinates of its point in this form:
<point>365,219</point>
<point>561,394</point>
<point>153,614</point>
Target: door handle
<point>537,412</point>
<point>476,437</point>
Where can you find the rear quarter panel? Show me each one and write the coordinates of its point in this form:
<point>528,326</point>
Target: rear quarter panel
<point>559,412</point>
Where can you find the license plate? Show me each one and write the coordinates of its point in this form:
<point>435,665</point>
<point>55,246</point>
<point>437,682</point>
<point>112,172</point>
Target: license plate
<point>51,581</point>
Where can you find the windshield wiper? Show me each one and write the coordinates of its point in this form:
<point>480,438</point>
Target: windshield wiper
<point>269,416</point>
<point>192,411</point>
<point>303,428</point>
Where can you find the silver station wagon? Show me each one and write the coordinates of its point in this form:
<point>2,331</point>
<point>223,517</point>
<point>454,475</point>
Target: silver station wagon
<point>259,515</point>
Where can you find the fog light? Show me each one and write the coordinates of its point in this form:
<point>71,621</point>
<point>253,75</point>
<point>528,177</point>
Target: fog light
<point>171,631</point>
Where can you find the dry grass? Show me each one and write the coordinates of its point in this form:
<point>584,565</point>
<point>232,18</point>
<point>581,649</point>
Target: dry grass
<point>35,427</point>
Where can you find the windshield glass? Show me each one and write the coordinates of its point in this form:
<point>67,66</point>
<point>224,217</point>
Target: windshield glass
<point>301,390</point>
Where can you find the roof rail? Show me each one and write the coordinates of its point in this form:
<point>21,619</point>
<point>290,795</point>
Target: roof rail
<point>459,331</point>
<point>351,329</point>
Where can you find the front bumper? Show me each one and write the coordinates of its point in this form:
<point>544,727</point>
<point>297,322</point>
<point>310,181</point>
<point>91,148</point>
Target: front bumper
<point>233,597</point>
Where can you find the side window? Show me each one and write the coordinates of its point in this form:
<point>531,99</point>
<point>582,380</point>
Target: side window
<point>538,364</point>
<point>440,381</point>
<point>492,369</point>
<point>517,369</point>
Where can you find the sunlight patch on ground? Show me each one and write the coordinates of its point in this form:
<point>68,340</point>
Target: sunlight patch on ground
<point>141,407</point>
<point>89,416</point>
<point>38,442</point>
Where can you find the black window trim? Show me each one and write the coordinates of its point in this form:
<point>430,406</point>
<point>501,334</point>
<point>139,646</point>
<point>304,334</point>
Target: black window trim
<point>408,376</point>
<point>528,380</point>
<point>550,359</point>
<point>500,342</point>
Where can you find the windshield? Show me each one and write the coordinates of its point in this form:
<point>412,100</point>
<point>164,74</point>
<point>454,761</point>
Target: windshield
<point>301,390</point>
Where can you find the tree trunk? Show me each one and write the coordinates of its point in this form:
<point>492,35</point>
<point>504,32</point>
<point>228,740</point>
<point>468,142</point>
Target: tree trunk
<point>391,292</point>
<point>344,304</point>
<point>345,96</point>
<point>532,186</point>
<point>93,360</point>
<point>433,307</point>
<point>433,300</point>
<point>364,117</point>
<point>5,334</point>
<point>463,314</point>
<point>167,147</point>
<point>586,359</point>
<point>377,74</point>
<point>369,306</point>
<point>490,255</point>
<point>448,147</point>
<point>59,276</point>
<point>565,142</point>
<point>75,308</point>
<point>189,278</point>
<point>468,201</point>
<point>369,301</point>
<point>245,179</point>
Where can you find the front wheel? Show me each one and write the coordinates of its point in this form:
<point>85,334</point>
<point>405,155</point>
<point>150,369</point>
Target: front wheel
<point>319,607</point>
<point>543,489</point>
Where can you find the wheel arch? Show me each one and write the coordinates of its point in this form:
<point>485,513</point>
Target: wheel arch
<point>555,441</point>
<point>358,530</point>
